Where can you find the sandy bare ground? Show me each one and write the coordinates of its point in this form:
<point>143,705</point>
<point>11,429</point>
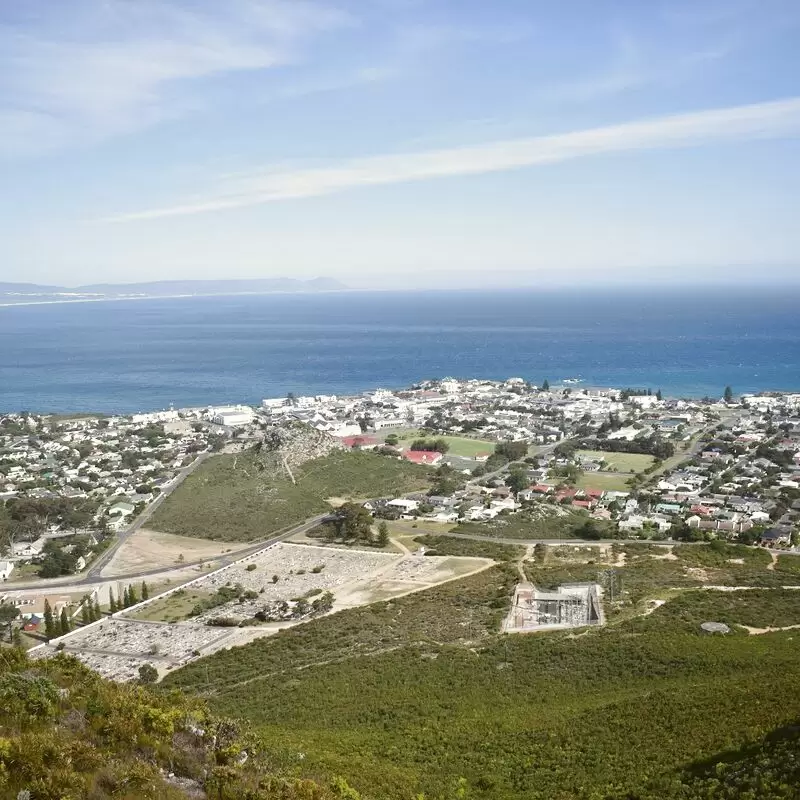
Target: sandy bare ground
<point>759,631</point>
<point>147,549</point>
<point>771,565</point>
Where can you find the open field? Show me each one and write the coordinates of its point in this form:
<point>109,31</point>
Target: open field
<point>620,462</point>
<point>446,545</point>
<point>148,549</point>
<point>604,481</point>
<point>548,523</point>
<point>234,498</point>
<point>459,445</point>
<point>418,692</point>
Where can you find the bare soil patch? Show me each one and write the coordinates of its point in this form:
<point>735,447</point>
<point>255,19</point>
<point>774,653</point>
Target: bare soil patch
<point>148,549</point>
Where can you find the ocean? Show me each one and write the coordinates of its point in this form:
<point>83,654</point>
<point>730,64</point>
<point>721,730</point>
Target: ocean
<point>128,356</point>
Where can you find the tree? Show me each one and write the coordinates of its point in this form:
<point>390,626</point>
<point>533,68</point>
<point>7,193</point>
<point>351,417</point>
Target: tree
<point>148,673</point>
<point>511,451</point>
<point>126,598</point>
<point>145,591</point>
<point>546,385</point>
<point>383,534</point>
<point>728,394</point>
<point>49,623</point>
<point>8,613</point>
<point>112,603</point>
<point>86,612</point>
<point>353,521</point>
<point>96,613</point>
<point>16,637</point>
<point>517,480</point>
<point>64,625</point>
<point>392,440</point>
<point>133,597</point>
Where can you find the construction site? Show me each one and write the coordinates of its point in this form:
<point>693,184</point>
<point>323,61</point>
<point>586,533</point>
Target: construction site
<point>571,605</point>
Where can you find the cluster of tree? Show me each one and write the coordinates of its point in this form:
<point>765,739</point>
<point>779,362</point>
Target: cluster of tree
<point>90,610</point>
<point>8,613</point>
<point>783,458</point>
<point>55,626</point>
<point>26,518</point>
<point>431,445</point>
<point>569,474</point>
<point>223,596</point>
<point>130,597</point>
<point>301,607</point>
<point>441,421</point>
<point>446,481</point>
<point>645,445</point>
<point>353,523</point>
<point>626,394</point>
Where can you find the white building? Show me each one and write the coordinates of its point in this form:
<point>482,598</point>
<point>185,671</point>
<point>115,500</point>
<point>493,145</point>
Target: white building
<point>6,568</point>
<point>231,416</point>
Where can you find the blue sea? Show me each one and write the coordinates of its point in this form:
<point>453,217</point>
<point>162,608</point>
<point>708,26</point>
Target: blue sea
<point>127,356</point>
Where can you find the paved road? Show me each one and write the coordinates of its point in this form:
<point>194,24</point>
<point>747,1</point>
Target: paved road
<point>104,558</point>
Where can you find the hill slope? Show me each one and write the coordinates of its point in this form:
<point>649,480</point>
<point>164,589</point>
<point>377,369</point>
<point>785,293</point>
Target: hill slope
<point>247,497</point>
<point>420,693</point>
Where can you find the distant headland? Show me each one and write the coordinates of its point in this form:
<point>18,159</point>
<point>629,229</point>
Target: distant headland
<point>30,293</point>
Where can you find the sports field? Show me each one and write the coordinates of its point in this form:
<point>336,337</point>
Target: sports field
<point>459,445</point>
<point>619,462</point>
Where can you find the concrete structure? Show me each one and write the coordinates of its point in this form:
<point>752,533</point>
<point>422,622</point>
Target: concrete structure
<point>571,605</point>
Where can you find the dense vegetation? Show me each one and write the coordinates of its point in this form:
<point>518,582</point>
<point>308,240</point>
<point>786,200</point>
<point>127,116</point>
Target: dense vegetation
<point>450,546</point>
<point>236,498</point>
<point>67,733</point>
<point>420,693</point>
<point>567,525</point>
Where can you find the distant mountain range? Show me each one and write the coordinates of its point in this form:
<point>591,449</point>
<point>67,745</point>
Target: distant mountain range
<point>33,292</point>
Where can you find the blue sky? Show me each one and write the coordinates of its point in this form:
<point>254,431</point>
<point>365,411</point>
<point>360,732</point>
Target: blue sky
<point>400,143</point>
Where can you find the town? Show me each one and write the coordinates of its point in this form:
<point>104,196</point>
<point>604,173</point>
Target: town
<point>502,460</point>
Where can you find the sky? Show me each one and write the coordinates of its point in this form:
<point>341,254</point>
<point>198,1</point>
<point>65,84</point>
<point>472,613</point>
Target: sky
<point>400,143</point>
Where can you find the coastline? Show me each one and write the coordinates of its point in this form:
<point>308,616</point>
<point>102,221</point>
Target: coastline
<point>114,299</point>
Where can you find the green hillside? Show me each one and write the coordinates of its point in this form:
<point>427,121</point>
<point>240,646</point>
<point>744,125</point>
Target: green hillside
<point>66,734</point>
<point>237,498</point>
<point>422,695</point>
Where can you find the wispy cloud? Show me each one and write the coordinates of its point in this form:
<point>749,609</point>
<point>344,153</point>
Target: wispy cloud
<point>760,120</point>
<point>87,70</point>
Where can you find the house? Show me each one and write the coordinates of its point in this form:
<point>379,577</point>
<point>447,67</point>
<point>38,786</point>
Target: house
<point>405,505</point>
<point>775,536</point>
<point>429,457</point>
<point>121,509</point>
<point>28,549</point>
<point>6,568</point>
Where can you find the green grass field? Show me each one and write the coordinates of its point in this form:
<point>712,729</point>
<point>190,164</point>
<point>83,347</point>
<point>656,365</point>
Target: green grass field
<point>620,462</point>
<point>416,694</point>
<point>604,481</point>
<point>459,445</point>
<point>234,498</point>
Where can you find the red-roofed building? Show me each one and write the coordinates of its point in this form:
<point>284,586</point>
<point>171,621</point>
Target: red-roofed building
<point>582,504</point>
<point>429,457</point>
<point>593,494</point>
<point>702,511</point>
<point>542,488</point>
